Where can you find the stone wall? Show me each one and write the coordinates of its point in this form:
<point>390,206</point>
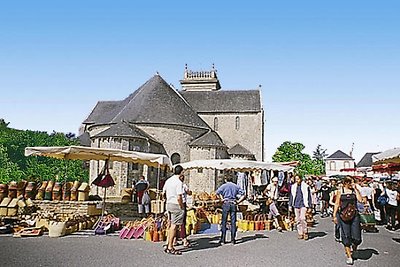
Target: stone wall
<point>250,133</point>
<point>125,210</point>
<point>69,207</point>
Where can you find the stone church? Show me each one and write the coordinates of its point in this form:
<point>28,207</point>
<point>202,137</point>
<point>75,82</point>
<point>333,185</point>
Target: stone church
<point>199,121</point>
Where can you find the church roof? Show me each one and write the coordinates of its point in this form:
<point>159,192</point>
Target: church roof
<point>366,160</point>
<point>339,155</point>
<point>153,102</point>
<point>211,138</point>
<point>239,150</point>
<point>124,129</point>
<point>224,101</point>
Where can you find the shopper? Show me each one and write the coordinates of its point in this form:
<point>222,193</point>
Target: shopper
<point>346,200</point>
<point>173,190</point>
<point>391,206</point>
<point>143,198</point>
<point>228,193</point>
<point>300,200</point>
<point>272,193</point>
<point>186,192</point>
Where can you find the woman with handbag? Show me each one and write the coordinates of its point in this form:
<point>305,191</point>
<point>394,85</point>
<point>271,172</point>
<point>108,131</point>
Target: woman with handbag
<point>349,219</point>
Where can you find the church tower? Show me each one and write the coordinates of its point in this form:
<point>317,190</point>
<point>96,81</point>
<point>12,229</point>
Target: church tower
<point>200,80</point>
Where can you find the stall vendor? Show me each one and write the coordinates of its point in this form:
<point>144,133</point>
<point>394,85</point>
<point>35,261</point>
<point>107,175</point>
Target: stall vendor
<point>228,193</point>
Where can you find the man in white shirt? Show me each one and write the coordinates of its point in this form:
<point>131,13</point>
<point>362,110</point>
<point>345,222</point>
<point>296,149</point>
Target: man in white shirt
<point>173,189</point>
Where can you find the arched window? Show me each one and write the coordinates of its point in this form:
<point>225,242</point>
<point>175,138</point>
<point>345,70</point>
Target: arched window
<point>175,158</point>
<point>237,123</point>
<point>332,166</point>
<point>215,124</point>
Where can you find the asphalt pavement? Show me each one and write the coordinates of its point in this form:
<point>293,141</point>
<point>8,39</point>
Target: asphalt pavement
<point>263,248</point>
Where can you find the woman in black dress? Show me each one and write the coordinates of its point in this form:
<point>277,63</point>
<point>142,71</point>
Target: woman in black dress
<point>350,229</point>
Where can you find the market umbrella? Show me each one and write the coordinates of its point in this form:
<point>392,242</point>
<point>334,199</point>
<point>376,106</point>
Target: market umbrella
<point>93,153</point>
<point>388,156</point>
<point>235,164</point>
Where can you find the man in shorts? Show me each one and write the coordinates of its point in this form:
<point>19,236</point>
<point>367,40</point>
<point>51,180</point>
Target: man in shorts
<point>173,189</point>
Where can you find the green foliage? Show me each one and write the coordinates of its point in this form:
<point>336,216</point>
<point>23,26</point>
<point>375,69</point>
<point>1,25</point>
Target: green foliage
<point>15,166</point>
<point>289,151</point>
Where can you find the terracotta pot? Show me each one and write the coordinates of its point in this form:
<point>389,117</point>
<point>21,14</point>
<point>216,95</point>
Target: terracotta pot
<point>66,191</point>
<point>12,189</point>
<point>49,190</point>
<point>21,188</point>
<point>56,191</point>
<point>30,190</point>
<point>41,189</point>
<point>74,191</point>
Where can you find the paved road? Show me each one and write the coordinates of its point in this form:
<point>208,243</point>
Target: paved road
<point>253,249</point>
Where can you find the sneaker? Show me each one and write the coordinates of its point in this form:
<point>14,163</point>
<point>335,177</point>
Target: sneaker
<point>233,242</point>
<point>221,242</point>
<point>337,240</point>
<point>349,261</point>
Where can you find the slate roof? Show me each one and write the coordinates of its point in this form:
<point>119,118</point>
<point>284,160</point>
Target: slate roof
<point>209,139</point>
<point>153,102</point>
<point>239,150</point>
<point>339,155</point>
<point>84,139</point>
<point>224,101</point>
<point>366,160</point>
<point>124,129</point>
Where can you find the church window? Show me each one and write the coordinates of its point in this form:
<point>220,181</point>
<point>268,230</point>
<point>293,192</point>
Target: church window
<point>175,158</point>
<point>237,123</point>
<point>200,170</point>
<point>134,166</point>
<point>215,124</point>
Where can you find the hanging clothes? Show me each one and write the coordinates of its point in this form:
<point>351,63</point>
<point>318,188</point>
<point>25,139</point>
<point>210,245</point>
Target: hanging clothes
<point>281,178</point>
<point>242,181</point>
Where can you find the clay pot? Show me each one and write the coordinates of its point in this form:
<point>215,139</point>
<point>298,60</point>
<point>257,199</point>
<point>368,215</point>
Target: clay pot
<point>49,190</point>
<point>12,189</point>
<point>3,191</point>
<point>66,191</point>
<point>21,188</point>
<point>30,190</point>
<point>56,191</point>
<point>41,190</point>
<point>74,191</point>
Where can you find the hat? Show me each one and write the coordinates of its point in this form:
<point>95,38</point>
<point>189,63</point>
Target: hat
<point>275,179</point>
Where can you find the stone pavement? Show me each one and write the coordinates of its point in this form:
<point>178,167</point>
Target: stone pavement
<point>253,249</point>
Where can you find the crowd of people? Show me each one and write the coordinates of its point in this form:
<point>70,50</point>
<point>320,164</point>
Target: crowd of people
<point>344,200</point>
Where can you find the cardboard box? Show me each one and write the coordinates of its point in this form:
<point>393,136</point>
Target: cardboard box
<point>93,210</point>
<point>12,208</point>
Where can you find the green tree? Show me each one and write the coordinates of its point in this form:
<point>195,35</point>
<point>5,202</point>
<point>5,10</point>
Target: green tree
<point>292,151</point>
<point>319,153</point>
<point>14,165</point>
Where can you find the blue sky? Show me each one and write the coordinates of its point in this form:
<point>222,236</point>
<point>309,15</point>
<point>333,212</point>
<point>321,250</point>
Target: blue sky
<point>329,70</point>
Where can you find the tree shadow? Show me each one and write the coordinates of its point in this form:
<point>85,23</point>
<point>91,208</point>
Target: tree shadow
<point>365,254</point>
<point>396,239</point>
<point>313,235</point>
<point>213,242</point>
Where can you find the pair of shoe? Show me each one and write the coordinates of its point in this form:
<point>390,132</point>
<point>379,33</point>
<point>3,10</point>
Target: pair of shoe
<point>349,261</point>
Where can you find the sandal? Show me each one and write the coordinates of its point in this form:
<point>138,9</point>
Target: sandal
<point>172,251</point>
<point>187,245</point>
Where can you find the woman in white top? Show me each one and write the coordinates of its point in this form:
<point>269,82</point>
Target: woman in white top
<point>391,206</point>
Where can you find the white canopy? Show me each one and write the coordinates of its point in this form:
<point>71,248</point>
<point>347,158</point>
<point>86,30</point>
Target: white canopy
<point>233,164</point>
<point>388,156</point>
<point>92,153</point>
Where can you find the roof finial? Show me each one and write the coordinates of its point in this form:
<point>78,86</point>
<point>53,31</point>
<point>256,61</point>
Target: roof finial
<point>157,73</point>
<point>185,66</point>
<point>213,66</point>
